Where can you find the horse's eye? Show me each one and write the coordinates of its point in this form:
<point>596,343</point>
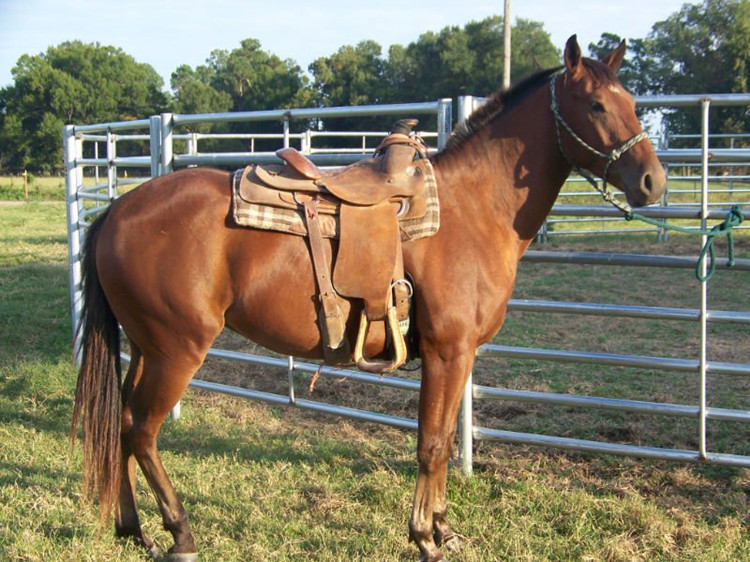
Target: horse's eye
<point>597,107</point>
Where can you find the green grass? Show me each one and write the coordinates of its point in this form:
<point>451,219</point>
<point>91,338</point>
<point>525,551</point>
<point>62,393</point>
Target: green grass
<point>40,188</point>
<point>277,484</point>
<point>45,188</point>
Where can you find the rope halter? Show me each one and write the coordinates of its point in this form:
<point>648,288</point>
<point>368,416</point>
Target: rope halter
<point>607,194</point>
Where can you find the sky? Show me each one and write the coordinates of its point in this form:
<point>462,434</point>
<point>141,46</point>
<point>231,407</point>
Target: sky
<point>169,33</point>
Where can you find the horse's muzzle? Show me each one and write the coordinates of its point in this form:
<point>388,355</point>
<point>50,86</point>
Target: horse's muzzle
<point>647,188</point>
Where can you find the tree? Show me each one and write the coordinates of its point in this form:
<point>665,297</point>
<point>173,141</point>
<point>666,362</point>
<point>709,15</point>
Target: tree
<point>193,92</point>
<point>703,48</point>
<point>458,61</point>
<point>531,49</point>
<point>638,70</point>
<point>255,79</point>
<point>71,83</point>
<point>244,79</point>
<point>351,76</point>
<point>452,62</point>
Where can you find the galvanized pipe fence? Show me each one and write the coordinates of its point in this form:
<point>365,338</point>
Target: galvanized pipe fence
<point>161,132</point>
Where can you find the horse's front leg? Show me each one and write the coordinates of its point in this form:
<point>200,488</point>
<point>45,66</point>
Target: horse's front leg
<point>444,376</point>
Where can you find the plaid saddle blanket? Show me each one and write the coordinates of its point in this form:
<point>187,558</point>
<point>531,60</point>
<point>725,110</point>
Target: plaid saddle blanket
<point>256,205</point>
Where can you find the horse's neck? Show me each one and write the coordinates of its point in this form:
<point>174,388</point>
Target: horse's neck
<point>508,174</point>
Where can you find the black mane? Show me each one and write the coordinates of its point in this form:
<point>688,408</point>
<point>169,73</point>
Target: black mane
<point>497,103</point>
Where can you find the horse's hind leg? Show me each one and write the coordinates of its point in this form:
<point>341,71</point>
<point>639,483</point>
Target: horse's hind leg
<point>127,522</point>
<point>161,385</point>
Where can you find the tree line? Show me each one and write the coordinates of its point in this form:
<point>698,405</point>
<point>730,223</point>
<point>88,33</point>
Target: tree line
<point>702,48</point>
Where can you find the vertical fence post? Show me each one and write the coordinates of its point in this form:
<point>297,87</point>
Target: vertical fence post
<point>167,154</point>
<point>286,130</point>
<point>73,180</point>
<point>466,429</point>
<point>96,157</point>
<point>306,142</point>
<point>445,121</point>
<point>466,416</point>
<point>702,449</point>
<point>111,166</point>
<point>192,144</point>
<point>155,148</point>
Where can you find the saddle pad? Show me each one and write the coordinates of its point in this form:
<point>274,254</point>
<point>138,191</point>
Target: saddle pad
<point>291,221</point>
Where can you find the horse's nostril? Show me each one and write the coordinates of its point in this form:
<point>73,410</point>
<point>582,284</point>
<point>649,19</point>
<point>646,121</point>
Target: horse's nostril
<point>648,184</point>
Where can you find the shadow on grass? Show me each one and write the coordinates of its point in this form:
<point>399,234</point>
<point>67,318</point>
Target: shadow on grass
<point>54,417</point>
<point>324,446</point>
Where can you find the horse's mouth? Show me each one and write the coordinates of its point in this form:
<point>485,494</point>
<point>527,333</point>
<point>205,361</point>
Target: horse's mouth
<point>647,188</point>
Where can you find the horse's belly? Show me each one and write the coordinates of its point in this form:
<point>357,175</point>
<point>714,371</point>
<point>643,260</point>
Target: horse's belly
<point>275,300</point>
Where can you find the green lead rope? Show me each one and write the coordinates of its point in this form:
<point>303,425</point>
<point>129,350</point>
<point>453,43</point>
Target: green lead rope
<point>734,218</point>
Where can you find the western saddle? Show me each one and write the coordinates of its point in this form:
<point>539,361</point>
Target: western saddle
<point>365,206</point>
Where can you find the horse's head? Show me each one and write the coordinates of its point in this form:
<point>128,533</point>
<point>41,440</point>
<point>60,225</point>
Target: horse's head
<point>598,129</point>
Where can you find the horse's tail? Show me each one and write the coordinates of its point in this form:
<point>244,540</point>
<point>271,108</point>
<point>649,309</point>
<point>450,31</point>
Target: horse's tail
<point>97,406</point>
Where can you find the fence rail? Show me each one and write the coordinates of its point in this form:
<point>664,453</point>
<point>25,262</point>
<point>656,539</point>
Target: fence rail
<point>162,131</point>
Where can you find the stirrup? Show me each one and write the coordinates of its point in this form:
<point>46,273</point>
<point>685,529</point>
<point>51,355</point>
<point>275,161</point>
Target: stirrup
<point>399,344</point>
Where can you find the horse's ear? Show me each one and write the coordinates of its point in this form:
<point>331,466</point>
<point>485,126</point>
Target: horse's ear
<point>573,56</point>
<point>614,59</point>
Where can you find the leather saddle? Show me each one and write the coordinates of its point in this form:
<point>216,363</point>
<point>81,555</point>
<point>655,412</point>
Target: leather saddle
<point>362,206</point>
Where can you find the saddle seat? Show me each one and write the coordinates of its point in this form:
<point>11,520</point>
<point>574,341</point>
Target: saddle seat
<point>362,206</point>
<point>362,183</point>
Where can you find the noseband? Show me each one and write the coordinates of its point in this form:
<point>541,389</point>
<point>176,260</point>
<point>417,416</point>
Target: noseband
<point>610,158</point>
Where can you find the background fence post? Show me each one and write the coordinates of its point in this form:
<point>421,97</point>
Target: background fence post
<point>445,121</point>
<point>702,447</point>
<point>167,154</point>
<point>155,149</point>
<point>466,429</point>
<point>73,181</point>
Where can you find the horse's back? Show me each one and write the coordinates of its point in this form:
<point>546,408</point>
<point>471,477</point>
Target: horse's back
<point>170,255</point>
<point>162,227</point>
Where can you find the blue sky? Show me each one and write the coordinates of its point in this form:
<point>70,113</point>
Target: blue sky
<point>167,33</point>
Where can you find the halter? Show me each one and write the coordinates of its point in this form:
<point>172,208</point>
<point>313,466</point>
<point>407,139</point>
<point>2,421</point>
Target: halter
<point>615,154</point>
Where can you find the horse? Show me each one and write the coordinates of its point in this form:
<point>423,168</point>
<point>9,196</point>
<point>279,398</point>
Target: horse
<point>166,262</point>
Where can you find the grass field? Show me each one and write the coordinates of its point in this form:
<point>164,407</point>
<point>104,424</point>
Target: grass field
<point>271,483</point>
<point>41,188</point>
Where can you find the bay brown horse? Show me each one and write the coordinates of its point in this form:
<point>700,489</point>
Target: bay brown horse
<point>166,262</point>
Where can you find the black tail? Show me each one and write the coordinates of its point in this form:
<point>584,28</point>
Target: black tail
<point>97,405</point>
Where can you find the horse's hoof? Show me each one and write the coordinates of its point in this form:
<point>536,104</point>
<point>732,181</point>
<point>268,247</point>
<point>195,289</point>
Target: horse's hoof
<point>433,557</point>
<point>452,543</point>
<point>182,557</point>
<point>154,552</point>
